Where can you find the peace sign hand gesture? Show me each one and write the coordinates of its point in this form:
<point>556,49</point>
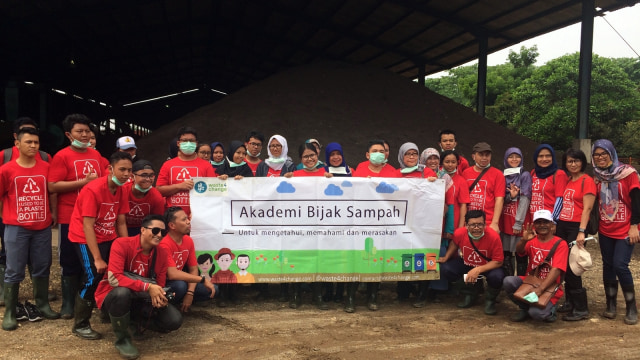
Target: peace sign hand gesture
<point>528,233</point>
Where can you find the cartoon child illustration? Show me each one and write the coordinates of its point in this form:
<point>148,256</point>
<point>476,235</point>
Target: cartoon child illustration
<point>224,258</point>
<point>243,276</point>
<point>205,265</point>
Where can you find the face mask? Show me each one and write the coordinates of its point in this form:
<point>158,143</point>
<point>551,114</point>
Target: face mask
<point>257,155</point>
<point>188,148</point>
<point>474,237</point>
<point>451,172</point>
<point>409,169</point>
<point>141,189</point>
<point>376,158</point>
<point>216,163</point>
<point>484,167</point>
<point>79,144</point>
<point>310,168</point>
<point>276,160</point>
<point>116,181</point>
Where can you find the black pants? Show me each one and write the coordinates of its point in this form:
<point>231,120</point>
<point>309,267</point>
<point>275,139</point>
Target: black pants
<point>91,278</point>
<point>569,231</point>
<point>122,300</point>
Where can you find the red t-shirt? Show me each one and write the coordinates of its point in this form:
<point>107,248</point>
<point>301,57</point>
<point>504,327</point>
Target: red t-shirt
<point>460,195</point>
<point>545,191</point>
<point>537,251</point>
<point>151,203</point>
<point>180,255</point>
<point>126,255</point>
<point>96,201</point>
<point>427,172</point>
<point>271,172</point>
<point>176,171</point>
<point>303,172</point>
<point>24,195</point>
<point>572,200</point>
<point>69,165</point>
<point>619,227</point>
<point>363,171</point>
<point>253,167</point>
<point>462,165</point>
<point>489,245</point>
<point>490,187</point>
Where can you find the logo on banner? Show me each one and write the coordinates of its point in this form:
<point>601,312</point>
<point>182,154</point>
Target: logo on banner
<point>200,187</point>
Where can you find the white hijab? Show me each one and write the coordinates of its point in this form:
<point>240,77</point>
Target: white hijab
<point>276,163</point>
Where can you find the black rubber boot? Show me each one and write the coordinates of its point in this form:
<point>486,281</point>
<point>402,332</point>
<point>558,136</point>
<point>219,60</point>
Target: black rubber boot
<point>523,312</point>
<point>508,264</point>
<point>41,294</point>
<point>123,338</point>
<point>328,292</point>
<point>82,314</point>
<point>568,305</point>
<point>521,265</point>
<point>69,286</point>
<point>631,317</point>
<point>284,292</point>
<point>611,292</point>
<point>490,297</point>
<point>372,295</point>
<point>470,292</point>
<point>3,268</point>
<point>580,309</point>
<point>339,295</point>
<point>423,287</point>
<point>9,321</point>
<point>350,304</point>
<point>317,296</point>
<point>296,297</point>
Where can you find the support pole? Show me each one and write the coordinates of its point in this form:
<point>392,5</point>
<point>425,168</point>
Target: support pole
<point>481,89</point>
<point>582,141</point>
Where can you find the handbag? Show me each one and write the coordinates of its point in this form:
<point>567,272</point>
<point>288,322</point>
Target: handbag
<point>533,281</point>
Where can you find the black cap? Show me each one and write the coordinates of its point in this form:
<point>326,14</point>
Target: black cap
<point>142,165</point>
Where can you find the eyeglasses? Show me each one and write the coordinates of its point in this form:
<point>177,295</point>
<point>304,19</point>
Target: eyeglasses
<point>275,146</point>
<point>574,161</point>
<point>476,226</point>
<point>254,144</point>
<point>157,230</point>
<point>204,152</point>
<point>309,157</point>
<point>146,176</point>
<point>600,155</point>
<point>412,154</point>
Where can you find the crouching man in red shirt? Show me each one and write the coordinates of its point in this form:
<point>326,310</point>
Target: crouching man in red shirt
<point>124,298</point>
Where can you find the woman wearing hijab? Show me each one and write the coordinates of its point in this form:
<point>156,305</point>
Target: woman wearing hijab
<point>547,183</point>
<point>278,163</point>
<point>217,155</point>
<point>579,197</point>
<point>618,191</point>
<point>235,166</point>
<point>410,167</point>
<point>516,207</point>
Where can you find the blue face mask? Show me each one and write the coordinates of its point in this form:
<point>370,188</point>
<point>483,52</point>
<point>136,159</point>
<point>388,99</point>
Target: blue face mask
<point>116,181</point>
<point>188,148</point>
<point>376,158</point>
<point>141,189</point>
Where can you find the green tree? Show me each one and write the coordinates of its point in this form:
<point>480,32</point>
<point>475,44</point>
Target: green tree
<point>525,58</point>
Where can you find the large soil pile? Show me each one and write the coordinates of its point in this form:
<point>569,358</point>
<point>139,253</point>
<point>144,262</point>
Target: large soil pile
<point>339,102</point>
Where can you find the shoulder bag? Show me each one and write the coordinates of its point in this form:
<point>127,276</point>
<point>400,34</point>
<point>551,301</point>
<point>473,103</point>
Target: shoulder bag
<point>533,281</point>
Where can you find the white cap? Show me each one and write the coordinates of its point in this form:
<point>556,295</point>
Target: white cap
<point>544,215</point>
<point>579,260</point>
<point>126,142</point>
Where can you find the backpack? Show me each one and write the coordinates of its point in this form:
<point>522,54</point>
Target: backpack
<point>8,152</point>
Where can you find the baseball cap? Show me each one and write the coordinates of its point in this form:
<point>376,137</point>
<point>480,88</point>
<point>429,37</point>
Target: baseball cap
<point>543,215</point>
<point>126,142</point>
<point>142,165</point>
<point>312,141</point>
<point>481,146</point>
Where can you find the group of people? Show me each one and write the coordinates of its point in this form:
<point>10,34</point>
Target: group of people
<point>124,244</point>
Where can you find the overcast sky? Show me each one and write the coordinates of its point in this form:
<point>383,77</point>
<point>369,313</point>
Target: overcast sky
<point>567,40</point>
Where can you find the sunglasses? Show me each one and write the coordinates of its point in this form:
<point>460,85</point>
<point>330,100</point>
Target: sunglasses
<point>157,230</point>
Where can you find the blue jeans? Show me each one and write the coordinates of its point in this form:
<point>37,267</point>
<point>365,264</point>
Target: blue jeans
<point>616,255</point>
<point>179,287</point>
<point>24,245</point>
<point>511,284</point>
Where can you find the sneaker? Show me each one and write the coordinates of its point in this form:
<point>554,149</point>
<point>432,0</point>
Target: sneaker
<point>33,312</point>
<point>21,312</point>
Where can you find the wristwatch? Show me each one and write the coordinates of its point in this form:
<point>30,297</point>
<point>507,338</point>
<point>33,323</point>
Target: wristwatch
<point>202,280</point>
<point>582,230</point>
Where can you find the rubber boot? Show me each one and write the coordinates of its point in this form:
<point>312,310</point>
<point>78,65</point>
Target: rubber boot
<point>568,305</point>
<point>372,295</point>
<point>423,286</point>
<point>69,286</point>
<point>41,294</point>
<point>508,264</point>
<point>317,296</point>
<point>523,312</point>
<point>123,338</point>
<point>81,325</point>
<point>328,291</point>
<point>9,321</point>
<point>470,292</point>
<point>3,268</point>
<point>284,292</point>
<point>522,262</point>
<point>339,295</point>
<point>296,297</point>
<point>611,292</point>
<point>631,317</point>
<point>580,309</point>
<point>490,297</point>
<point>350,304</point>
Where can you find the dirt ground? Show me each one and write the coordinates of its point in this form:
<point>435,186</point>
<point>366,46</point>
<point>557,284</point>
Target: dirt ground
<point>270,330</point>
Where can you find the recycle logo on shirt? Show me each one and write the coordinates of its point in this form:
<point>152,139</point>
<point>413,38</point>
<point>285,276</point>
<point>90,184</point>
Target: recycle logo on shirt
<point>31,187</point>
